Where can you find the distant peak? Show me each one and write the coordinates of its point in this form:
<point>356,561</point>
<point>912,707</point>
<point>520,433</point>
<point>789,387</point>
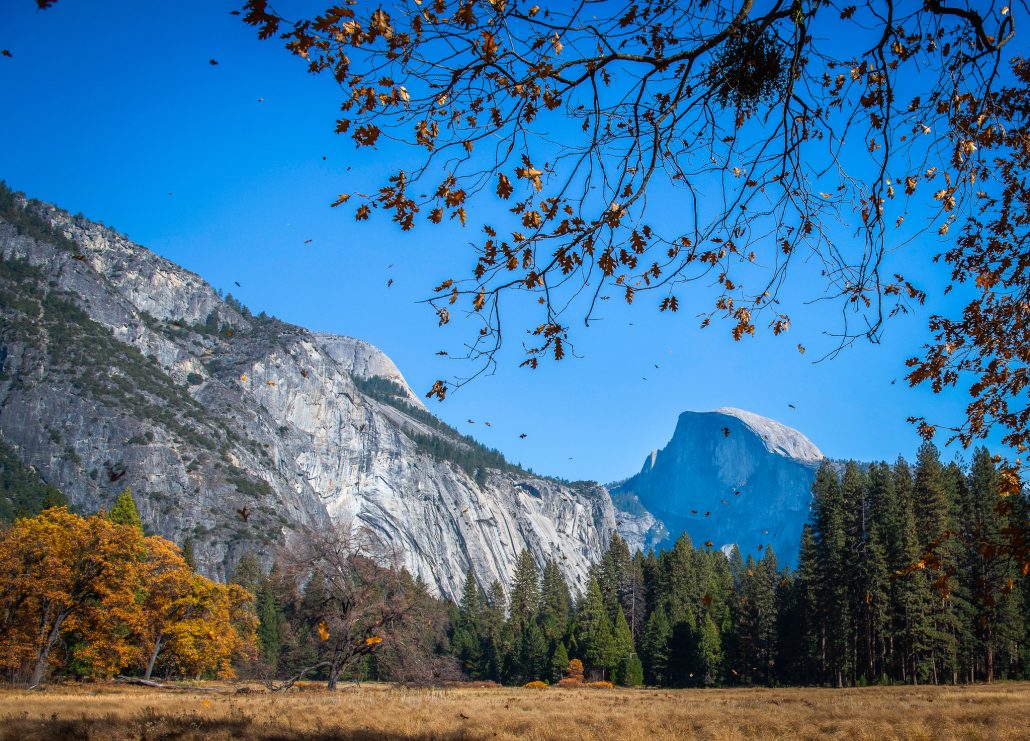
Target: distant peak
<point>777,437</point>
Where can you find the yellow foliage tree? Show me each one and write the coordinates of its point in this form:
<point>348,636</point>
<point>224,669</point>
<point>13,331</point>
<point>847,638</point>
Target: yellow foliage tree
<point>60,572</point>
<point>168,581</point>
<point>216,623</point>
<point>118,598</point>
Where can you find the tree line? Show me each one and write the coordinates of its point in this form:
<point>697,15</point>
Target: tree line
<point>906,574</point>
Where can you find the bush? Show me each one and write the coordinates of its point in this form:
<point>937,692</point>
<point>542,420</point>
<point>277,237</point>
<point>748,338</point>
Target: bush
<point>569,682</point>
<point>194,379</point>
<point>575,670</point>
<point>599,685</point>
<point>536,684</point>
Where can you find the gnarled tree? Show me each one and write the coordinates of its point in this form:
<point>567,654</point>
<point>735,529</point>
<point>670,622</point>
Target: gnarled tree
<point>343,594</point>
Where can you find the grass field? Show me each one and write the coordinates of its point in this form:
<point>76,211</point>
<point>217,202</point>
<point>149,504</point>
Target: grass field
<point>1000,711</point>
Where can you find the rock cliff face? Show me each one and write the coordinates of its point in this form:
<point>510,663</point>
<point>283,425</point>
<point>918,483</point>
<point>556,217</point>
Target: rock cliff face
<point>731,477</point>
<point>121,369</point>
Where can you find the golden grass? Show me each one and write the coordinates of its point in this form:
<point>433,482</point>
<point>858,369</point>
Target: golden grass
<point>1000,711</point>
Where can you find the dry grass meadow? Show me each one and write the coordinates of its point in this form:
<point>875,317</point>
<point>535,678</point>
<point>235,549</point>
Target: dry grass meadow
<point>1000,711</point>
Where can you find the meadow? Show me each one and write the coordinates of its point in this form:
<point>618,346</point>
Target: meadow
<point>379,711</point>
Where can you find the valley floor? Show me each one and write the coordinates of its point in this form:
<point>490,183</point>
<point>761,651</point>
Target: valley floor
<point>102,711</point>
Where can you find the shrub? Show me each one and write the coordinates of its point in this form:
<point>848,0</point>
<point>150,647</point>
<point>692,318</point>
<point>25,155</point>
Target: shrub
<point>569,682</point>
<point>575,670</point>
<point>536,684</point>
<point>599,685</point>
<point>194,379</point>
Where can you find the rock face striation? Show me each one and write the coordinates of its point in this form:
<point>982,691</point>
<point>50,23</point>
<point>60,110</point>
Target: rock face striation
<point>730,477</point>
<point>121,369</point>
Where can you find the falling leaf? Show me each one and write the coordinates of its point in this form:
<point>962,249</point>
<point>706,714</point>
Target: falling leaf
<point>323,631</point>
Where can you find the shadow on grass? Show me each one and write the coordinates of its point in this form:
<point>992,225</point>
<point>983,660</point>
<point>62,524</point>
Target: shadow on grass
<point>150,726</point>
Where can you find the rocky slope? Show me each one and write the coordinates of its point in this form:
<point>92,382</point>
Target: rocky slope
<point>730,477</point>
<point>118,368</point>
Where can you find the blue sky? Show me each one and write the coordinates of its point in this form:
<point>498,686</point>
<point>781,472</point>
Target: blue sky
<point>111,108</point>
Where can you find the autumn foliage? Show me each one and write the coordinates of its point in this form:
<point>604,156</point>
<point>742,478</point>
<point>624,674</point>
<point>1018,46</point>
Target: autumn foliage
<point>795,136</point>
<point>94,597</point>
<point>574,672</point>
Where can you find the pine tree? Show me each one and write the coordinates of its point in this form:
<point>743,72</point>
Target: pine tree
<point>559,662</point>
<point>621,585</point>
<point>883,531</point>
<point>988,572</point>
<point>766,616</point>
<point>631,671</point>
<point>248,573</point>
<point>933,511</point>
<point>709,652</point>
<point>494,649</point>
<point>803,638</point>
<point>535,656</point>
<point>187,553</point>
<point>594,630</point>
<point>622,637</point>
<point>467,637</point>
<point>793,653</point>
<point>124,511</point>
<point>270,622</point>
<point>831,585</point>
<point>555,602</point>
<point>740,642</point>
<point>678,582</point>
<point>525,591</point>
<point>911,591</point>
<point>655,647</point>
<point>634,599</point>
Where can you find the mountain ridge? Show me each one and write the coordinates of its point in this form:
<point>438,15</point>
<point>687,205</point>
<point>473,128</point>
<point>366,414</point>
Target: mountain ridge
<point>208,411</point>
<point>121,368</point>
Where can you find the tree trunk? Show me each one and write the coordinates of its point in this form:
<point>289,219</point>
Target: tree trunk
<point>39,670</point>
<point>153,656</point>
<point>334,673</point>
